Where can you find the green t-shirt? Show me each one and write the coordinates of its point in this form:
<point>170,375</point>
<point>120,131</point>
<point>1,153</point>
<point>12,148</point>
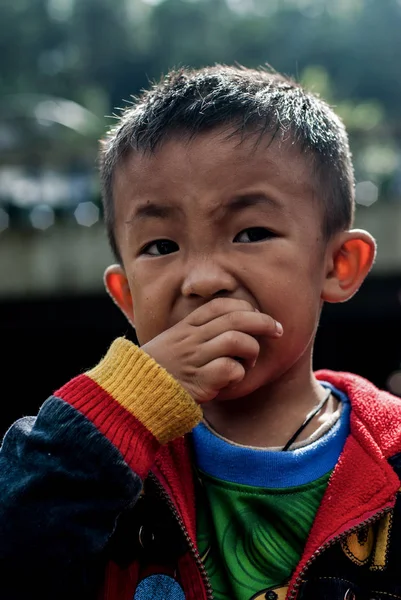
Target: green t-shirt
<point>251,538</point>
<point>256,507</point>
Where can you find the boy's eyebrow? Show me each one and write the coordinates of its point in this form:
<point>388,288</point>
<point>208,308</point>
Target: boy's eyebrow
<point>153,210</point>
<point>244,200</point>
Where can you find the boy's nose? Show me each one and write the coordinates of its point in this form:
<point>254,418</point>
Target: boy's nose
<point>208,280</point>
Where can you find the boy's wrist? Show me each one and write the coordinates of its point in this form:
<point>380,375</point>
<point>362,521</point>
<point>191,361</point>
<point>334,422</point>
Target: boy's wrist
<point>146,390</point>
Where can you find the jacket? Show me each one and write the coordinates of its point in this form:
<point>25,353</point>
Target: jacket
<point>98,495</point>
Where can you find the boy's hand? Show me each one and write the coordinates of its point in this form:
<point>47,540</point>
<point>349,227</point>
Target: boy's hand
<point>213,346</point>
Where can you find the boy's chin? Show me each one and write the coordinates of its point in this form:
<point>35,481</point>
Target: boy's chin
<point>241,390</point>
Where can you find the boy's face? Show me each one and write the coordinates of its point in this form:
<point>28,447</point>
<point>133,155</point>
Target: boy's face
<point>211,217</point>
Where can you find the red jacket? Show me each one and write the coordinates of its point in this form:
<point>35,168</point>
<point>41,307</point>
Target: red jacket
<point>75,514</point>
<point>363,488</point>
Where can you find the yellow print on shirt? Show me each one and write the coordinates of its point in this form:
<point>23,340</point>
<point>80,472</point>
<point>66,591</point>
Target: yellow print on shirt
<point>369,545</point>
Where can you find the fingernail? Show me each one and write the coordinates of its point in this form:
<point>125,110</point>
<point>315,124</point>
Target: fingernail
<point>279,328</point>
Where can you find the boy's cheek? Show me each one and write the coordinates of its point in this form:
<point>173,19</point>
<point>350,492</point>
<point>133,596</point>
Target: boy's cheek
<point>148,326</point>
<point>145,334</point>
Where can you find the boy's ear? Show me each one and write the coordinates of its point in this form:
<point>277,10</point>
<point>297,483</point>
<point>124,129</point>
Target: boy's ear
<point>116,284</point>
<point>350,258</point>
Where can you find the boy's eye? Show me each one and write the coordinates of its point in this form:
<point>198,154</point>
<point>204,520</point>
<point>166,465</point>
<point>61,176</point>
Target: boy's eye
<point>253,234</point>
<point>160,248</point>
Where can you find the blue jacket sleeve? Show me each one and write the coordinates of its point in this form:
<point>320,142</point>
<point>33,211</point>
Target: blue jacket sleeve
<point>63,486</point>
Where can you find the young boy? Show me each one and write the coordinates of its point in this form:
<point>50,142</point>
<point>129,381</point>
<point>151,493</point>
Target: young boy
<point>212,462</point>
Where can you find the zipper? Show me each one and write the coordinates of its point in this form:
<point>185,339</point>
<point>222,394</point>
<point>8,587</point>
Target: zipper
<point>166,498</point>
<point>295,588</point>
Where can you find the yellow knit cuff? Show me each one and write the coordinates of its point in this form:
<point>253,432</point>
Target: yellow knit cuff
<point>147,391</point>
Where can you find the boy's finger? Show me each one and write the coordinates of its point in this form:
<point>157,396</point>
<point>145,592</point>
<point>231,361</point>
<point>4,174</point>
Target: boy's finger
<point>233,344</point>
<point>216,308</point>
<point>252,323</point>
<point>220,373</point>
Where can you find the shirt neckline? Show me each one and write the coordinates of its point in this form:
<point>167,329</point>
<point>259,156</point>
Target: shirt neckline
<point>263,467</point>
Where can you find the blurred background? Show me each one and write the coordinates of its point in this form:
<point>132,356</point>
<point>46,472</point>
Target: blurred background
<point>66,66</point>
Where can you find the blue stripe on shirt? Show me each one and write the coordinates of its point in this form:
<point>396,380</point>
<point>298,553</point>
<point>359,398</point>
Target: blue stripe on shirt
<point>269,468</point>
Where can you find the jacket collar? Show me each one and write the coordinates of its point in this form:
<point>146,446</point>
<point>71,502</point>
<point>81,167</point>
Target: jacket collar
<point>363,483</point>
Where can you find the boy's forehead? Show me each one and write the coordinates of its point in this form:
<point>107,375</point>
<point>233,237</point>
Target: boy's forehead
<point>218,157</point>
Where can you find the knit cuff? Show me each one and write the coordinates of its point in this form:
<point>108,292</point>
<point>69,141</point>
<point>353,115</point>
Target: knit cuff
<point>147,391</point>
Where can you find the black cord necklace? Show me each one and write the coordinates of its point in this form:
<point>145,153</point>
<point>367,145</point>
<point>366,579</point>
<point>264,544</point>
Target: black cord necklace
<point>308,419</point>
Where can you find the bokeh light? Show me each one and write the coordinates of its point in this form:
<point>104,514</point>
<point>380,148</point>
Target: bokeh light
<point>366,193</point>
<point>42,216</point>
<point>87,214</point>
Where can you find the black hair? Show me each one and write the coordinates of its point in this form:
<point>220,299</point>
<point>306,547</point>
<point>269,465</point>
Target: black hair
<point>250,101</point>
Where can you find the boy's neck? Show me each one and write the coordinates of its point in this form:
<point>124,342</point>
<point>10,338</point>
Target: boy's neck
<point>271,415</point>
